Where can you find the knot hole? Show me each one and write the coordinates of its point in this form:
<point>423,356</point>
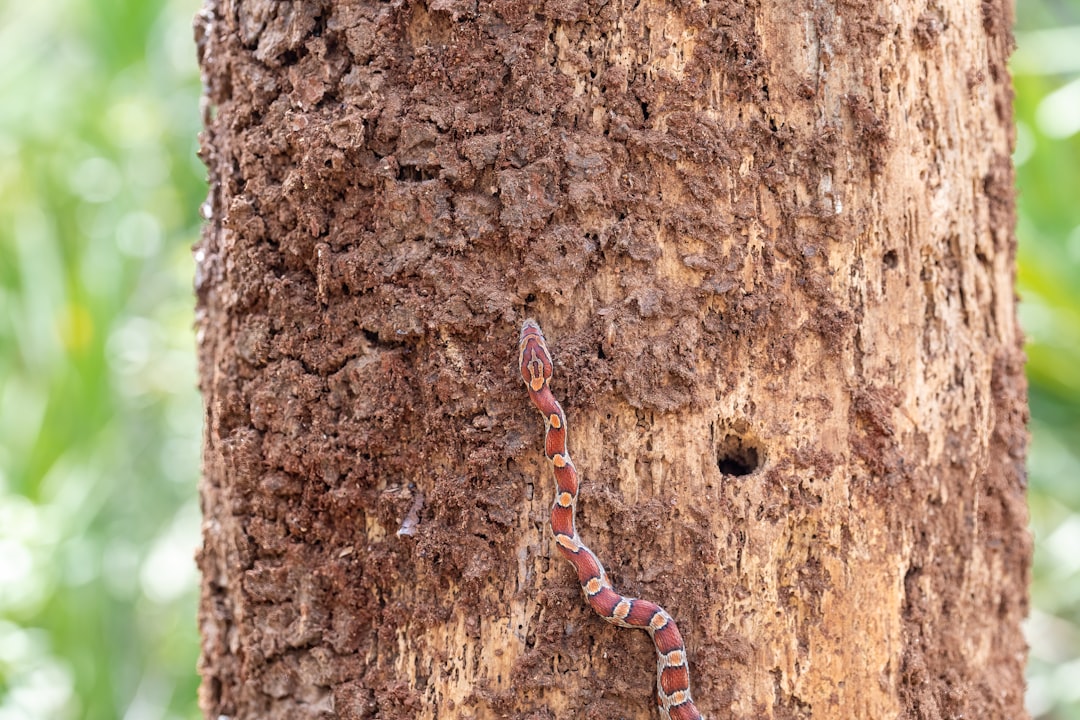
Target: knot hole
<point>737,455</point>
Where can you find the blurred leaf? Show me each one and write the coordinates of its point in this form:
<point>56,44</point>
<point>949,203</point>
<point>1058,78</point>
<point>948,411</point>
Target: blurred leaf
<point>1047,81</point>
<point>99,419</point>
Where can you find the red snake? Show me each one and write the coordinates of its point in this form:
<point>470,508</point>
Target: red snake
<point>672,673</point>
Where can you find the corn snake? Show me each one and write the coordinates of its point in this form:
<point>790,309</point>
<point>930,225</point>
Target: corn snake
<point>672,672</point>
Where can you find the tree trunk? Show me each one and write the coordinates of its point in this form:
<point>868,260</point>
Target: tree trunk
<point>771,247</point>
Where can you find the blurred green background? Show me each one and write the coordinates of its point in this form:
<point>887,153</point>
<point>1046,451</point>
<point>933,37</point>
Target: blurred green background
<point>99,418</point>
<point>1046,73</point>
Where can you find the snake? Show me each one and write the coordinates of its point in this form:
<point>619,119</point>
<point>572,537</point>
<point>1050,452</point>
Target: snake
<point>672,671</point>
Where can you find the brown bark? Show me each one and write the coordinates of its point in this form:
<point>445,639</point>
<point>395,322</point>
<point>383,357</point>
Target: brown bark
<point>771,246</point>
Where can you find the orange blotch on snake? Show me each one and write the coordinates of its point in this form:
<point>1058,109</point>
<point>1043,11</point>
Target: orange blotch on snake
<point>588,567</point>
<point>562,521</point>
<point>555,442</point>
<point>675,658</point>
<point>566,479</point>
<point>605,602</point>
<point>674,678</point>
<point>642,613</point>
<point>684,712</point>
<point>570,543</point>
<point>678,697</point>
<point>668,638</point>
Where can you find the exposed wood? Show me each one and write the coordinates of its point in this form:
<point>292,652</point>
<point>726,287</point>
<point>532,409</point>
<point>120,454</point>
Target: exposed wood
<point>771,246</point>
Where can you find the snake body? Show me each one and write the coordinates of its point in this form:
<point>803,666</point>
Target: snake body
<point>672,673</point>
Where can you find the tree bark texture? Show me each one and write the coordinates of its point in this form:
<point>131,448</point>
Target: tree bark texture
<point>771,246</point>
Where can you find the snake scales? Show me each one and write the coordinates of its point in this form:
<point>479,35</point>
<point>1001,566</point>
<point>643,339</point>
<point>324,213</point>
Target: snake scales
<point>672,673</point>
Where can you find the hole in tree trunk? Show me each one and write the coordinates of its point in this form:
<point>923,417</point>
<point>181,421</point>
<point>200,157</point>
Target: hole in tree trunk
<point>736,455</point>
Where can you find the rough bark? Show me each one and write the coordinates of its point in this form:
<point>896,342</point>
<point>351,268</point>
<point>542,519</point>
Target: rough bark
<point>771,246</point>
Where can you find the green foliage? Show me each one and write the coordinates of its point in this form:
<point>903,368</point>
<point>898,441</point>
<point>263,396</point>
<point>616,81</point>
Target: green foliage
<point>99,418</point>
<point>98,413</point>
<point>1046,72</point>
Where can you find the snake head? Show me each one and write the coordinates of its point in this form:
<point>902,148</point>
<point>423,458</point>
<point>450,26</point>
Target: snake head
<point>533,357</point>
